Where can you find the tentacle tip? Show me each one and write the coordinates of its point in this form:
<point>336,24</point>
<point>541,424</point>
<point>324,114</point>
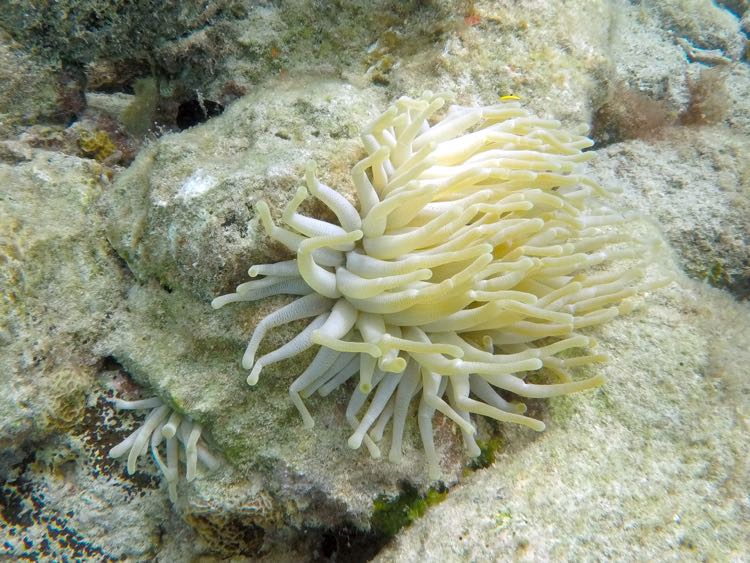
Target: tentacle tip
<point>395,366</point>
<point>354,442</point>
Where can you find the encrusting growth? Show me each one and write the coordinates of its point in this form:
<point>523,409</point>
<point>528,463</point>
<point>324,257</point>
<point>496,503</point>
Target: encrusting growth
<point>476,256</point>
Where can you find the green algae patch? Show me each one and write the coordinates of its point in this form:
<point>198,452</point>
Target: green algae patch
<point>138,117</point>
<point>503,519</point>
<point>390,514</point>
<point>487,451</point>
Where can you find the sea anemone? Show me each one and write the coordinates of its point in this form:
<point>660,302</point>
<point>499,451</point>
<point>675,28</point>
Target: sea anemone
<point>477,254</point>
<point>181,437</point>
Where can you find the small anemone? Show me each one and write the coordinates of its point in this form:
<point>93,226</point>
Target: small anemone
<point>181,436</point>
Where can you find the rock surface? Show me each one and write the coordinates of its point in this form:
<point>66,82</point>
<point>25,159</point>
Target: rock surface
<point>651,466</point>
<point>183,212</point>
<point>695,184</point>
<point>61,283</point>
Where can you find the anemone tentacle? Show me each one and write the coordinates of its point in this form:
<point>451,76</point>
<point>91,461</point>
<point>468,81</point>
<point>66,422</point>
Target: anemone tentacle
<point>163,424</point>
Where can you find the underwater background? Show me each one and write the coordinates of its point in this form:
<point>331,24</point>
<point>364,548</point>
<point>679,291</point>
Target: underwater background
<point>135,140</point>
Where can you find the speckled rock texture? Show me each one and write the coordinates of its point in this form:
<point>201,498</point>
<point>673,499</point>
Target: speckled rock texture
<point>107,272</point>
<point>695,183</point>
<point>61,281</point>
<point>27,92</point>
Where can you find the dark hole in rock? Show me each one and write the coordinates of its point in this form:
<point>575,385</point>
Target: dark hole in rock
<point>193,112</point>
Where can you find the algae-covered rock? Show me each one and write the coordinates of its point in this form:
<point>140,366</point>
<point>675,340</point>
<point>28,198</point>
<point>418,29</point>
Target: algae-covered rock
<point>695,182</point>
<point>183,212</point>
<point>28,90</point>
<point>555,56</point>
<point>82,31</point>
<point>60,285</point>
<point>706,25</point>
